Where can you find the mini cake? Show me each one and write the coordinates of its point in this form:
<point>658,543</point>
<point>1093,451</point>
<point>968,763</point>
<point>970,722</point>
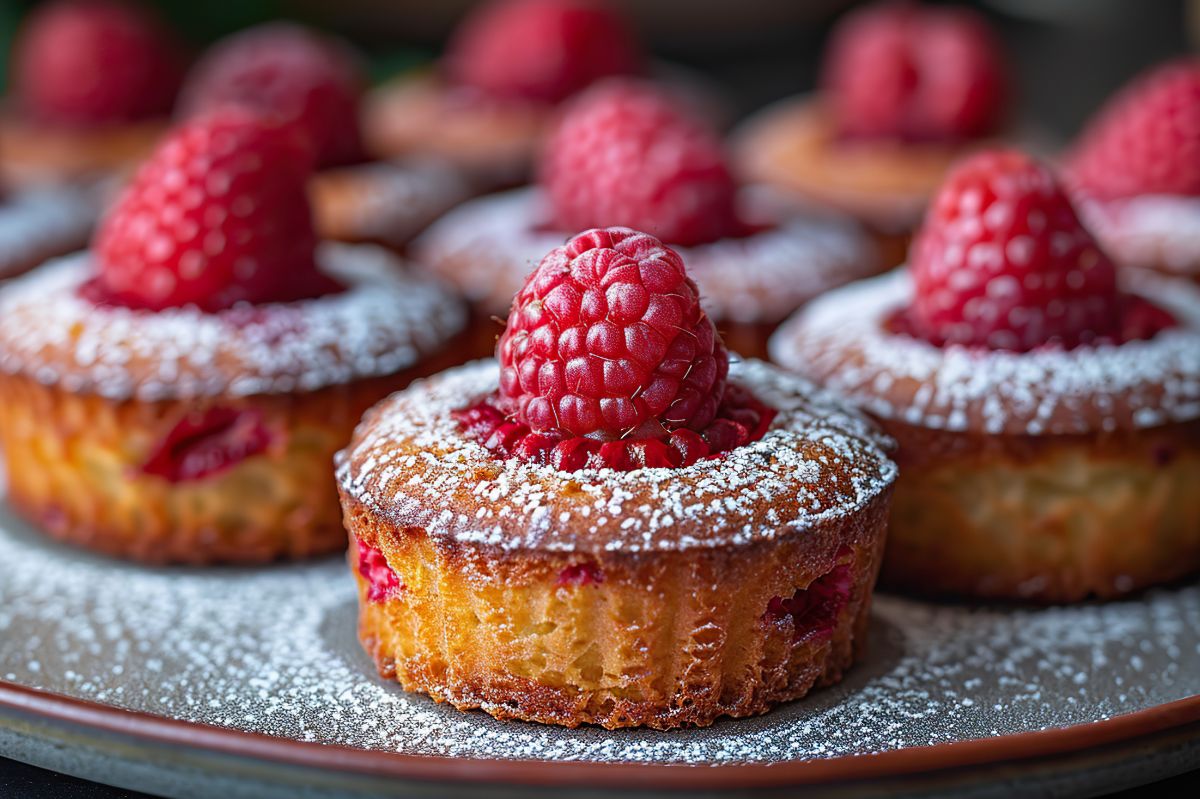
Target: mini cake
<point>905,90</point>
<point>314,83</point>
<point>487,104</point>
<point>176,395</point>
<point>1136,172</point>
<point>1048,420</point>
<point>756,256</point>
<point>614,526</point>
<point>42,222</point>
<point>92,83</point>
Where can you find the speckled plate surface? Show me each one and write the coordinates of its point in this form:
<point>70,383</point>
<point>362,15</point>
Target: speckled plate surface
<point>273,652</point>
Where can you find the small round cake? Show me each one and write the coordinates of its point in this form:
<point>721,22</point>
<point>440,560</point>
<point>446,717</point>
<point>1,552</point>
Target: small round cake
<point>43,222</point>
<point>176,395</point>
<point>756,255</point>
<point>92,84</point>
<point>313,84</point>
<point>906,90</point>
<point>617,530</point>
<point>1137,176</point>
<point>1048,421</point>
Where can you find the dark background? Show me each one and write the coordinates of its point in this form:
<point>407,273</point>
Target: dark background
<point>1066,57</point>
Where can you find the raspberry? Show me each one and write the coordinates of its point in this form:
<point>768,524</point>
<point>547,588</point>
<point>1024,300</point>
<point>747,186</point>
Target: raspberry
<point>382,581</point>
<point>89,62</point>
<point>294,75</point>
<point>625,153</point>
<point>1003,262</point>
<point>218,215</point>
<point>607,339</point>
<point>208,442</point>
<point>900,70</point>
<point>814,611</point>
<point>1146,140</point>
<point>541,50</point>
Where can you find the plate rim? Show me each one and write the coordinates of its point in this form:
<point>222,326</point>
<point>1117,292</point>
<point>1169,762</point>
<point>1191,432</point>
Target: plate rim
<point>164,730</point>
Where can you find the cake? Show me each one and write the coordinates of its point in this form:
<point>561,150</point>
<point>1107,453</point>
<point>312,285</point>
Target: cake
<point>620,529</point>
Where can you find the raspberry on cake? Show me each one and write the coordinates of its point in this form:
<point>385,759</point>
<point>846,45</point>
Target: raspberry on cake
<point>612,525</point>
<point>176,394</point>
<point>1047,415</point>
<point>91,82</point>
<point>628,153</point>
<point>313,84</point>
<point>905,89</point>
<point>1136,171</point>
<point>488,103</point>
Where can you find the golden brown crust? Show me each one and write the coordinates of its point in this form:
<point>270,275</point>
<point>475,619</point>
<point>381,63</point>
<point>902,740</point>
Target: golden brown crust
<point>884,184</point>
<point>1044,518</point>
<point>657,639</point>
<point>33,154</point>
<point>417,114</point>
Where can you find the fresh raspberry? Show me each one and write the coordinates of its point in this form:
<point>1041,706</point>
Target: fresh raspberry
<point>292,74</point>
<point>607,339</point>
<point>541,50</point>
<point>208,442</point>
<point>900,70</point>
<point>1146,140</point>
<point>625,153</point>
<point>1003,262</point>
<point>90,62</point>
<point>218,215</point>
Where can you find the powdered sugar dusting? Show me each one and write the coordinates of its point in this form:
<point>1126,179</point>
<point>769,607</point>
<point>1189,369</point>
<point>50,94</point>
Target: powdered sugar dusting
<point>488,246</point>
<point>1135,385</point>
<point>410,462</point>
<point>274,650</point>
<point>41,222</point>
<point>384,322</point>
<point>1152,232</point>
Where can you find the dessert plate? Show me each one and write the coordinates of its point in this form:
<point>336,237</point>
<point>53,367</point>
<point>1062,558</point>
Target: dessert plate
<point>250,682</point>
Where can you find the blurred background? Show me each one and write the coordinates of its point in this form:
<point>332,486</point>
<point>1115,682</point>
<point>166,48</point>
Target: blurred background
<point>1068,55</point>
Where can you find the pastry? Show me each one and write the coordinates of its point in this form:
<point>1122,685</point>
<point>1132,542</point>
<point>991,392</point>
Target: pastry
<point>1048,417</point>
<point>905,90</point>
<point>756,255</point>
<point>313,84</point>
<point>92,83</point>
<point>613,525</point>
<point>1136,172</point>
<point>176,394</point>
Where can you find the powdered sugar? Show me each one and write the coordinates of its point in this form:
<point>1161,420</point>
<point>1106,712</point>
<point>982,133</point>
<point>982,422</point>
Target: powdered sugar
<point>274,651</point>
<point>41,222</point>
<point>488,246</point>
<point>384,322</point>
<point>410,463</point>
<point>1153,232</point>
<point>1138,384</point>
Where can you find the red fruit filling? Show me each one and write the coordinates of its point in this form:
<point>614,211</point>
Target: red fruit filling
<point>741,418</point>
<point>580,574</point>
<point>540,50</point>
<point>382,581</point>
<point>208,442</point>
<point>814,610</point>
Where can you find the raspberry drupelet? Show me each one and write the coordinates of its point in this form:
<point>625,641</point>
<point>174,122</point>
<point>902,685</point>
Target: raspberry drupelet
<point>1044,405</point>
<point>501,511</point>
<point>176,394</point>
<point>626,153</point>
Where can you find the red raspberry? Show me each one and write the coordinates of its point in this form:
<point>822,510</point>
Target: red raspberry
<point>208,442</point>
<point>625,153</point>
<point>1146,140</point>
<point>87,62</point>
<point>607,339</point>
<point>218,215</point>
<point>297,76</point>
<point>543,50</point>
<point>900,70</point>
<point>1003,262</point>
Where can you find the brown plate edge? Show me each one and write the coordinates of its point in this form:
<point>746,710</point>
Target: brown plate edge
<point>432,768</point>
